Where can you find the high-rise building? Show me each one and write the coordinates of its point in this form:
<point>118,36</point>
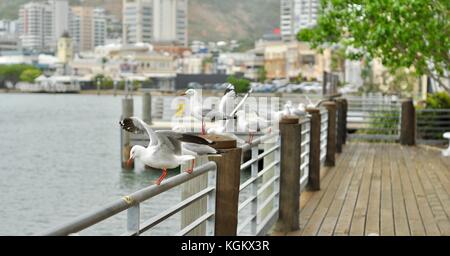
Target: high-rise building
<point>88,27</point>
<point>35,26</point>
<point>155,21</point>
<point>297,15</point>
<point>114,7</point>
<point>60,18</point>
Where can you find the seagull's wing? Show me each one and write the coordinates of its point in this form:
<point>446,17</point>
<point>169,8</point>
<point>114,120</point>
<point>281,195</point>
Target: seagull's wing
<point>137,126</point>
<point>174,139</point>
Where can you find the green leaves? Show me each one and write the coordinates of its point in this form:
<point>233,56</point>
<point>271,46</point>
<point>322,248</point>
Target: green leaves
<point>402,33</point>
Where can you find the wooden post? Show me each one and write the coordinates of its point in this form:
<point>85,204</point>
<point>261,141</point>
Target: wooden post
<point>290,131</point>
<point>127,111</point>
<point>408,123</point>
<point>345,113</point>
<point>147,108</point>
<point>325,81</point>
<point>340,125</point>
<point>314,150</point>
<point>227,185</point>
<point>331,142</point>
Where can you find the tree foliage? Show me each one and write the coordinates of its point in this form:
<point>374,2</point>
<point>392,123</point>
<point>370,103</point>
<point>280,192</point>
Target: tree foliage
<point>402,33</point>
<point>29,75</point>
<point>12,73</point>
<point>242,85</point>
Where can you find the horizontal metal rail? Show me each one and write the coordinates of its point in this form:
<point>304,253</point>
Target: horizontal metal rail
<point>89,219</point>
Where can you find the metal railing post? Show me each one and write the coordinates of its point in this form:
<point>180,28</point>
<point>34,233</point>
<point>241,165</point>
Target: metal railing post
<point>330,159</point>
<point>254,188</point>
<point>227,185</point>
<point>290,132</point>
<point>408,123</point>
<point>133,219</point>
<point>314,151</point>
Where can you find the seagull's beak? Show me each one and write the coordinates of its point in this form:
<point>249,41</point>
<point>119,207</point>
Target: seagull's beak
<point>130,162</point>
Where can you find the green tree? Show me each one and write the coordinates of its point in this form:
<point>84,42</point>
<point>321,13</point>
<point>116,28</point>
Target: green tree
<point>29,75</point>
<point>12,73</point>
<point>402,33</point>
<point>242,85</point>
<point>440,100</point>
<point>262,75</point>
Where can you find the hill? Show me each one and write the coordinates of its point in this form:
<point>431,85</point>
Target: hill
<point>208,19</point>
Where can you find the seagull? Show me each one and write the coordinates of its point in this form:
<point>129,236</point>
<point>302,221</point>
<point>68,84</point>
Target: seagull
<point>278,115</point>
<point>251,122</point>
<point>300,111</point>
<point>221,129</point>
<point>197,110</point>
<point>165,147</point>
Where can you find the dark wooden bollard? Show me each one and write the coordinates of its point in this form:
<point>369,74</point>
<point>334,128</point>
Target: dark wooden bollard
<point>408,123</point>
<point>314,151</point>
<point>345,114</point>
<point>147,108</point>
<point>340,125</point>
<point>127,111</point>
<point>227,185</point>
<point>290,131</point>
<point>330,159</point>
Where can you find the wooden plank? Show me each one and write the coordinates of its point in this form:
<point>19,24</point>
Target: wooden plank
<point>431,196</point>
<point>333,213</point>
<point>313,225</point>
<point>439,184</point>
<point>308,210</point>
<point>359,215</point>
<point>386,211</point>
<point>345,218</point>
<point>412,166</point>
<point>374,206</point>
<point>400,217</point>
<point>412,210</point>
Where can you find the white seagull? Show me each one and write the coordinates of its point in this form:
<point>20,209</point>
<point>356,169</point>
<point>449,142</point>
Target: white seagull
<point>197,110</point>
<point>251,123</point>
<point>165,147</point>
<point>300,111</point>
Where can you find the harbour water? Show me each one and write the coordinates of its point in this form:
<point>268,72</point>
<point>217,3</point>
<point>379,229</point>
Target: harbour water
<point>59,158</point>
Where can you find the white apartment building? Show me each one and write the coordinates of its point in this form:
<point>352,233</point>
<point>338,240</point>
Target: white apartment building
<point>42,23</point>
<point>155,21</point>
<point>296,15</point>
<point>35,26</point>
<point>8,27</point>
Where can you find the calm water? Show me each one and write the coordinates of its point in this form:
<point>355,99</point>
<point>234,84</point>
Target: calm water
<point>59,158</point>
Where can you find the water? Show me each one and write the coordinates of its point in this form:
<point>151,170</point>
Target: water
<point>59,158</point>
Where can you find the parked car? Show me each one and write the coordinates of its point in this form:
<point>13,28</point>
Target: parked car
<point>311,87</point>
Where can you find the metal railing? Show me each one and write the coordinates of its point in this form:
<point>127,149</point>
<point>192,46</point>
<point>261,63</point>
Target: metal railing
<point>305,151</point>
<point>132,203</point>
<point>374,118</point>
<point>323,135</point>
<point>431,125</point>
<point>263,186</point>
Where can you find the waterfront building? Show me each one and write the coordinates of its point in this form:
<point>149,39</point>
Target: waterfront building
<point>88,27</point>
<point>35,26</point>
<point>296,15</point>
<point>155,21</point>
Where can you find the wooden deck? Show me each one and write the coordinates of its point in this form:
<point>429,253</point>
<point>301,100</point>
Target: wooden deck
<point>381,189</point>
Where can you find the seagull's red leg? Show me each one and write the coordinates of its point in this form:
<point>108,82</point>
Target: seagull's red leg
<point>250,138</point>
<point>163,176</point>
<point>203,127</point>
<point>191,170</point>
